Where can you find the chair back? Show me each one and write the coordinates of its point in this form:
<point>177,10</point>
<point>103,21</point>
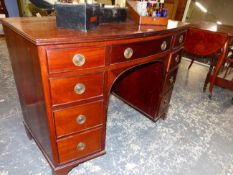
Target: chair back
<point>203,43</point>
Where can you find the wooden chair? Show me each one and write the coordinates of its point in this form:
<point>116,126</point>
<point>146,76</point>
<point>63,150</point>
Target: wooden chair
<point>203,43</point>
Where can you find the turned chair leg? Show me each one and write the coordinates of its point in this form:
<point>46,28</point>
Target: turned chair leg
<point>191,63</point>
<point>207,78</point>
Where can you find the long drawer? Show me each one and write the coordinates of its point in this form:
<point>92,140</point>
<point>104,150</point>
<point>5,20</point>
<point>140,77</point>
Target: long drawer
<point>78,118</point>
<point>125,52</point>
<point>70,59</point>
<point>75,88</point>
<point>79,145</point>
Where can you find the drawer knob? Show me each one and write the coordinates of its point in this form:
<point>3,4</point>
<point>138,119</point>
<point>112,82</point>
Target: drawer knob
<point>79,59</point>
<point>81,119</point>
<point>164,45</point>
<point>79,88</point>
<point>181,38</point>
<point>165,102</point>
<point>128,53</point>
<point>81,146</point>
<point>171,80</point>
<point>177,59</point>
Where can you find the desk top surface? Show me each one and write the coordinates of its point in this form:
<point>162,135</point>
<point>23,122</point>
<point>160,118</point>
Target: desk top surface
<point>43,30</point>
<point>215,27</point>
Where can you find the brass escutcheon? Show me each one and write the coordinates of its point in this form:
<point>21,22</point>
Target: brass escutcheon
<point>177,59</point>
<point>171,79</point>
<point>181,38</point>
<point>81,146</point>
<point>79,59</point>
<point>164,45</point>
<point>128,53</point>
<point>81,119</point>
<point>79,88</point>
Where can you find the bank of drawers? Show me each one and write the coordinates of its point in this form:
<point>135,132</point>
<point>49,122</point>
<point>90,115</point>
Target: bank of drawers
<point>170,78</point>
<point>78,127</point>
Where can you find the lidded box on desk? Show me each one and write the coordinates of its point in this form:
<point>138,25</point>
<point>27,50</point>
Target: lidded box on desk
<point>148,12</point>
<point>87,16</point>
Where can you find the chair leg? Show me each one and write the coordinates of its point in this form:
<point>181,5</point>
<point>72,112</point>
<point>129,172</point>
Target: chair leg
<point>191,63</point>
<point>207,78</point>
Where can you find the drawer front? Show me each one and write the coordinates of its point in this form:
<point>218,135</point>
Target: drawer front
<point>126,52</point>
<point>180,39</point>
<point>69,89</point>
<point>170,80</point>
<point>174,60</point>
<point>69,59</point>
<point>79,145</point>
<point>164,104</point>
<point>78,118</point>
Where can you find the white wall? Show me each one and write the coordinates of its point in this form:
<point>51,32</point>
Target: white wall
<point>218,10</point>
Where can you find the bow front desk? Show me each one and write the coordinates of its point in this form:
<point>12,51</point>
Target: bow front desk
<point>64,78</point>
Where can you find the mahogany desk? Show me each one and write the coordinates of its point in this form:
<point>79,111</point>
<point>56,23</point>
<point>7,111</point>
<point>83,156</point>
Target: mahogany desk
<point>214,78</point>
<point>64,78</point>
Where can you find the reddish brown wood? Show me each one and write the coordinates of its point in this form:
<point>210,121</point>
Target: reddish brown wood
<point>65,119</point>
<point>202,42</point>
<point>170,80</point>
<point>223,83</point>
<point>62,89</point>
<point>143,20</point>
<point>61,60</point>
<point>46,88</point>
<point>26,70</point>
<point>153,47</point>
<point>141,87</point>
<point>180,39</point>
<point>174,60</point>
<point>49,34</point>
<point>165,99</point>
<point>67,147</point>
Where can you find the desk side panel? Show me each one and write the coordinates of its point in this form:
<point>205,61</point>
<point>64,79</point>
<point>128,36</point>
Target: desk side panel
<point>27,75</point>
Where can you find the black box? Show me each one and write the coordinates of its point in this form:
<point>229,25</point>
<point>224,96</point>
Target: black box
<point>77,16</point>
<point>115,14</point>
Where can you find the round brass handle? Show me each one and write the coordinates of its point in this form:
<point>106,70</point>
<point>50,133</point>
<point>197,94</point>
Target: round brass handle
<point>165,102</point>
<point>79,88</point>
<point>164,45</point>
<point>181,38</point>
<point>79,59</point>
<point>81,119</point>
<point>81,146</point>
<point>128,53</point>
<point>177,59</point>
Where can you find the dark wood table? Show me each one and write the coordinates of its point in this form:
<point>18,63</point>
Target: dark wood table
<point>64,78</point>
<point>214,78</point>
